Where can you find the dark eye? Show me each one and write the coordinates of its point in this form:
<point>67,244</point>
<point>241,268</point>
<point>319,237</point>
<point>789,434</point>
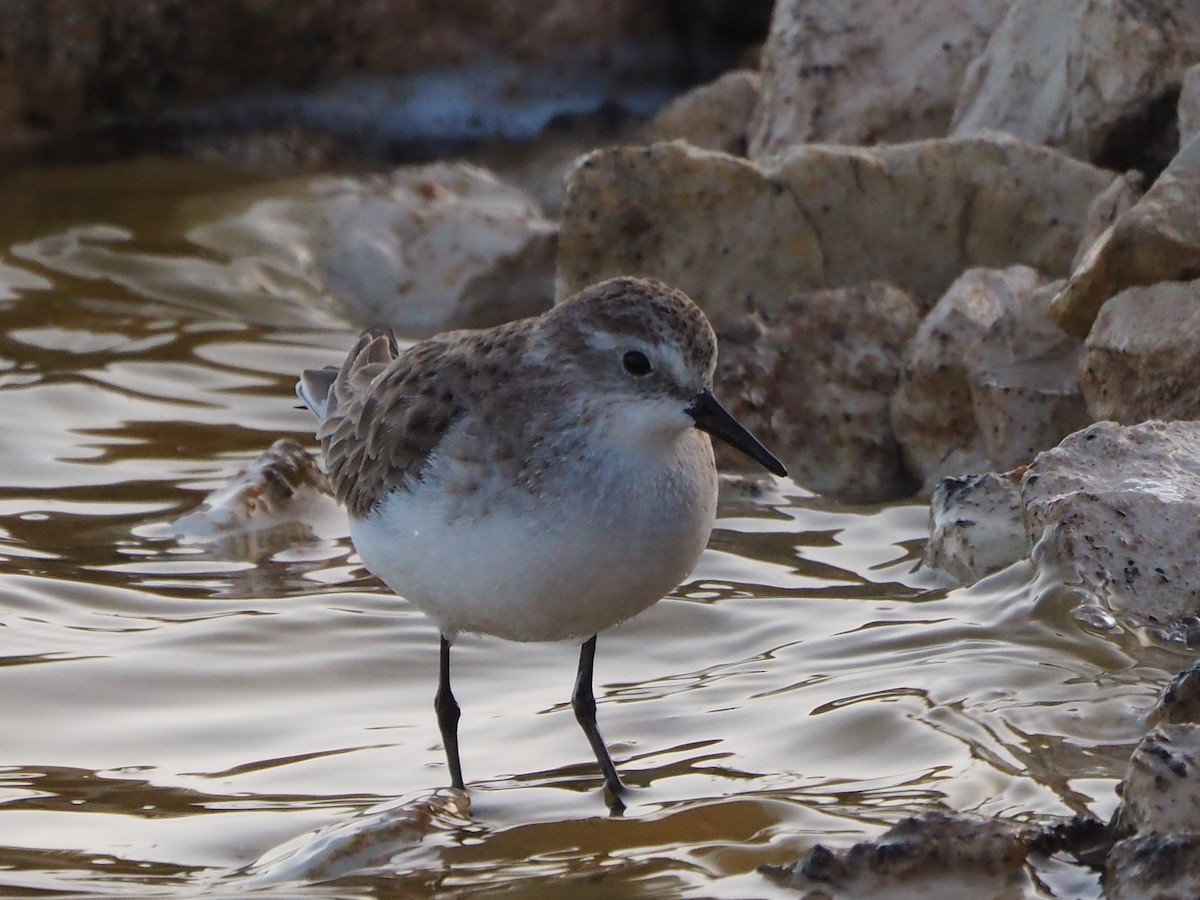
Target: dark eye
<point>635,363</point>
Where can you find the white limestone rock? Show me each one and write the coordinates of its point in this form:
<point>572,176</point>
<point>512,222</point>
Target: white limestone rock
<point>730,233</point>
<point>1157,239</point>
<point>976,525</point>
<point>1143,355</point>
<point>714,116</point>
<point>422,248</point>
<point>1161,788</point>
<point>814,381</point>
<point>988,381</point>
<point>1117,510</point>
<point>1112,517</point>
<point>865,71</point>
<point>1083,75</point>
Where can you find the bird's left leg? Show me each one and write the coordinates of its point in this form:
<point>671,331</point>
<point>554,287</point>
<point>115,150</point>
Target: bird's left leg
<point>447,716</point>
<point>583,701</point>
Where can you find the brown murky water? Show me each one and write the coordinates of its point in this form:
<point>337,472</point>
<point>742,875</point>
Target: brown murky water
<point>171,712</point>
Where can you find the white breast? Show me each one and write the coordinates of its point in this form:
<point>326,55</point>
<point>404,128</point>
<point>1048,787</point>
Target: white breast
<point>607,544</point>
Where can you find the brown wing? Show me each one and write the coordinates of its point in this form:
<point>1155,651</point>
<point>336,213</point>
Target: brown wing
<point>386,412</point>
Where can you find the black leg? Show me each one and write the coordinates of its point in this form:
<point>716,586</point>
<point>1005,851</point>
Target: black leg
<point>447,716</point>
<point>583,701</point>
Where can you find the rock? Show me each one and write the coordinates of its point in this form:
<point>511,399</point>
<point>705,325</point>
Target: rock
<point>283,486</point>
<point>1161,866</point>
<point>382,70</point>
<point>987,381</point>
<point>814,382</point>
<point>1113,518</point>
<point>422,249</point>
<point>1157,239</point>
<point>1116,510</point>
<point>730,233</point>
<point>713,116</point>
<point>1188,110</point>
<point>1179,702</point>
<point>865,71</point>
<point>1142,355</point>
<point>1161,789</point>
<point>976,525</point>
<point>365,842</point>
<point>1109,205</point>
<point>1096,78</point>
<point>936,854</point>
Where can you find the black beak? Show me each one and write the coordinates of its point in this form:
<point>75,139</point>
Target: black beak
<point>710,416</point>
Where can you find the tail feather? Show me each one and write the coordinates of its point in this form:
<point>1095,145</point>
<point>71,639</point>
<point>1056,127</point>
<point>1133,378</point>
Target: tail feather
<point>319,388</point>
<point>313,389</point>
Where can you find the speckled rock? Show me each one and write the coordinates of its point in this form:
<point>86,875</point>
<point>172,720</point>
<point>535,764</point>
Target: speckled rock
<point>1161,788</point>
<point>814,381</point>
<point>1116,510</point>
<point>423,248</point>
<point>713,116</point>
<point>728,232</point>
<point>1089,76</point>
<point>987,381</point>
<point>937,854</point>
<point>1112,516</point>
<point>976,525</point>
<point>1143,355</point>
<point>1157,866</point>
<point>1157,239</point>
<point>1179,701</point>
<point>865,71</point>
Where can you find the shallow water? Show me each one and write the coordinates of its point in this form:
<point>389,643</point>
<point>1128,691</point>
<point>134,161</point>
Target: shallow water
<point>173,711</point>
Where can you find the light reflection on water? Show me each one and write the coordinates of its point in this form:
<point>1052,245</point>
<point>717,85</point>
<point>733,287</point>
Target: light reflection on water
<point>173,711</point>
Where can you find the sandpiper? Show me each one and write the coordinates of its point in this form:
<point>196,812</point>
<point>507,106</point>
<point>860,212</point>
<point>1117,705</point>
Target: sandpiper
<point>538,481</point>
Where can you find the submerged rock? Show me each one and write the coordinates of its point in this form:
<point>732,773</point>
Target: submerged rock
<point>933,854</point>
<point>1111,514</point>
<point>1096,78</point>
<point>729,232</point>
<point>1119,509</point>
<point>865,71</point>
<point>988,381</point>
<point>1142,355</point>
<point>976,525</point>
<point>422,248</point>
<point>1157,239</point>
<point>368,841</point>
<point>813,381</point>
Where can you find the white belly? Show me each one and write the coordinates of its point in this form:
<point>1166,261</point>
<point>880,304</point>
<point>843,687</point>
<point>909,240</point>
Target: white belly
<point>591,556</point>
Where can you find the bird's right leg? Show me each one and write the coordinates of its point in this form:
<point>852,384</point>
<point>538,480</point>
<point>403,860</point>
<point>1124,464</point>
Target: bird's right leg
<point>447,715</point>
